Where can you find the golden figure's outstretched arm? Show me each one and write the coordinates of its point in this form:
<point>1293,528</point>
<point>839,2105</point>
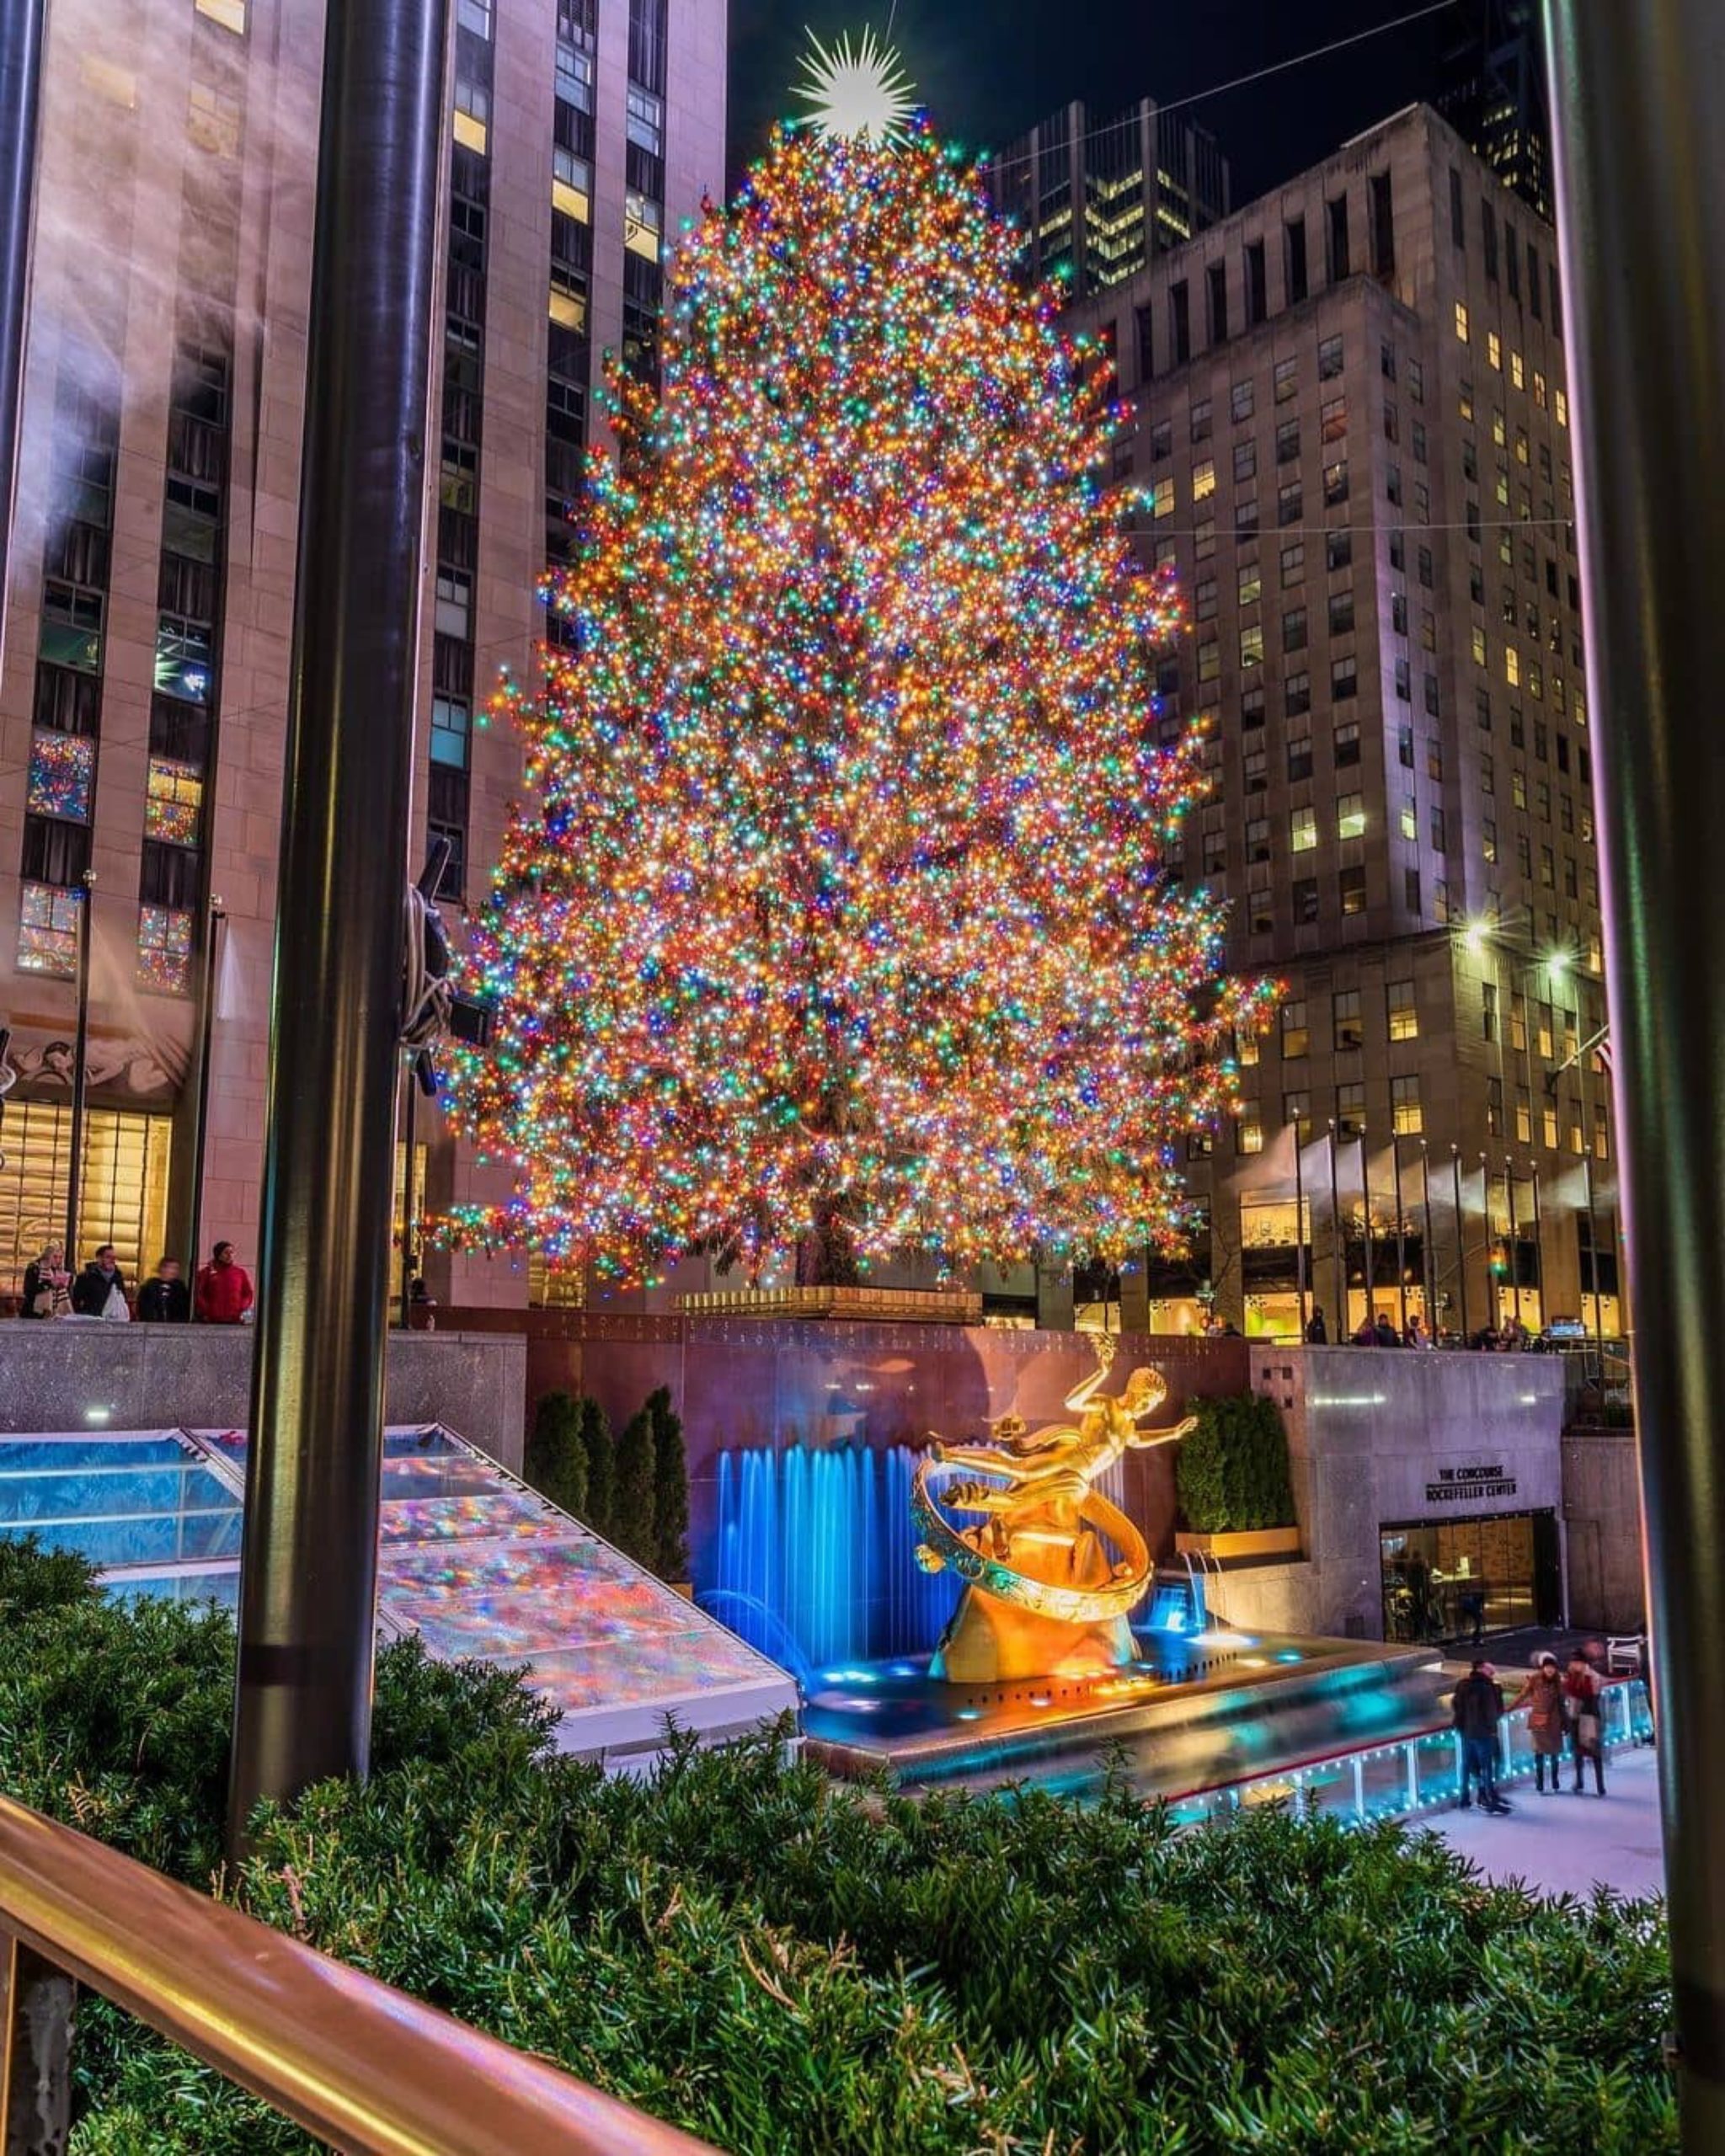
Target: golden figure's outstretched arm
<point>983,1459</point>
<point>1142,1440</point>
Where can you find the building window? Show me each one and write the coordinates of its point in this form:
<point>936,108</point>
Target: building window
<point>1409,824</point>
<point>1260,913</point>
<point>1512,666</point>
<point>1287,442</point>
<point>1296,694</point>
<point>1302,829</point>
<point>1352,886</point>
<point>1296,1036</point>
<point>1204,480</point>
<point>1249,586</point>
<point>1350,1111</point>
<point>1287,380</point>
<point>62,775</point>
<point>1403,1012</point>
<point>1405,1114</point>
<point>1248,1129</point>
<point>1290,506</point>
<point>1294,629</point>
<point>1255,770</point>
<point>1347,744</point>
<point>1344,679</point>
<point>1305,890</point>
<point>1329,359</point>
<point>1494,350</point>
<point>174,802</point>
<point>1462,320</point>
<point>644,121</point>
<point>1348,1032</point>
<point>1410,889</point>
<point>1252,645</point>
<point>164,949</point>
<point>1201,427</point>
<point>1161,497</point>
<point>1488,841</point>
<point>1240,400</point>
<point>1245,460</point>
<point>1350,815</point>
<point>1341,613</point>
<point>1335,482</point>
<point>1294,236</point>
<point>1258,840</point>
<point>230,14</point>
<point>1338,551</point>
<point>1299,758</point>
<point>47,929</point>
<point>1293,563</point>
<point>473,111</point>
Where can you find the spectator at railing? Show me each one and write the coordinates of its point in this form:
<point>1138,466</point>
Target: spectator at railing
<point>99,1291</point>
<point>164,1298</point>
<point>224,1293</point>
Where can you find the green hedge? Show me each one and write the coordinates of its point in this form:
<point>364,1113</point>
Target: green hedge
<point>1231,1473</point>
<point>783,1966</point>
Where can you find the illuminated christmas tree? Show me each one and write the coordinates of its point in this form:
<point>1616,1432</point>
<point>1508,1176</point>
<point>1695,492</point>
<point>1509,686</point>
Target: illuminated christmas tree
<point>841,921</point>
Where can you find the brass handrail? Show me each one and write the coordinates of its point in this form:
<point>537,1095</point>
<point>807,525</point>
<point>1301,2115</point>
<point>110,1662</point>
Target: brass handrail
<point>351,2059</point>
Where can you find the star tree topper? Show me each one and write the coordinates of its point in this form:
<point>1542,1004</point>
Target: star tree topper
<point>855,91</point>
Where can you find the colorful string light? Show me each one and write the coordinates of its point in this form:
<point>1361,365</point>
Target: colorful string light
<point>844,894</point>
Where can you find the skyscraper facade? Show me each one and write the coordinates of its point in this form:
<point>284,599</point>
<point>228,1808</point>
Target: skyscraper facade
<point>144,689</point>
<point>1350,440</point>
<point>1095,202</point>
<point>1493,92</point>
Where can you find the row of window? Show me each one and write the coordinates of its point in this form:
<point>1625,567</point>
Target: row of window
<point>1341,259</point>
<point>1406,1114</point>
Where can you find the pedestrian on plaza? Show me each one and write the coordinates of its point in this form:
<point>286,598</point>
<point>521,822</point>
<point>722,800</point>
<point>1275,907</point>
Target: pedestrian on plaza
<point>1365,1333</point>
<point>224,1292</point>
<point>1317,1331</point>
<point>1477,1708</point>
<point>47,1285</point>
<point>99,1291</point>
<point>1544,1701</point>
<point>1582,1686</point>
<point>1416,1334</point>
<point>164,1298</point>
<point>1385,1333</point>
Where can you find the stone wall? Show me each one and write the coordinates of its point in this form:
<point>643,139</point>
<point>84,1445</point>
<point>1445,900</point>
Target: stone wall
<point>1381,1435</point>
<point>1602,1510</point>
<point>73,1376</point>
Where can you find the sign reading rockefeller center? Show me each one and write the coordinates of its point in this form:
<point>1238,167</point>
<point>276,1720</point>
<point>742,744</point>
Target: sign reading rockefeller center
<point>1457,1486</point>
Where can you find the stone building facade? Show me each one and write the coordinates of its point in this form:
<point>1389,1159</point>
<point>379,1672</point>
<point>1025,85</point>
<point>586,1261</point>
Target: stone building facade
<point>1350,438</point>
<point>144,690</point>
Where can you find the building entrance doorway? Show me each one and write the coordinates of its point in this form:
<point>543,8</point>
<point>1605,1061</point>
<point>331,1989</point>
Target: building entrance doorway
<point>1452,1579</point>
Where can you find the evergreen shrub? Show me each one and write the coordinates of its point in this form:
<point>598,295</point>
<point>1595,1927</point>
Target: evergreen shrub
<point>1231,1472</point>
<point>782,1964</point>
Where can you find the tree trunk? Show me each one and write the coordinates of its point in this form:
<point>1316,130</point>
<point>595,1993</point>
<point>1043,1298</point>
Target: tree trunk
<point>826,1257</point>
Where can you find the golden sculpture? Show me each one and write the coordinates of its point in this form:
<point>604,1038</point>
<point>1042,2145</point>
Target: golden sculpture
<point>1044,1596</point>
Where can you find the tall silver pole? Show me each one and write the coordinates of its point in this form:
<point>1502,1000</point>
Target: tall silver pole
<point>308,1570</point>
<point>1514,1245</point>
<point>213,919</point>
<point>1339,1251</point>
<point>1637,86</point>
<point>20,98</point>
<point>1427,1256</point>
<point>1461,1241</point>
<point>80,1068</point>
<point>1366,1207</point>
<point>1299,1229</point>
<point>1401,1233</point>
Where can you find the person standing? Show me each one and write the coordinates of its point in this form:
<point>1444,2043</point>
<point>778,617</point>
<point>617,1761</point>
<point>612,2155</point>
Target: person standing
<point>1317,1331</point>
<point>1544,1701</point>
<point>1416,1334</point>
<point>224,1292</point>
<point>99,1291</point>
<point>47,1285</point>
<point>1582,1686</point>
<point>1477,1708</point>
<point>164,1298</point>
<point>1384,1332</point>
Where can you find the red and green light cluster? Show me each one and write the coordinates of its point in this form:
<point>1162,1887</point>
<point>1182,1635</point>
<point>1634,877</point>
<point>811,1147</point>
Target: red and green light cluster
<point>844,886</point>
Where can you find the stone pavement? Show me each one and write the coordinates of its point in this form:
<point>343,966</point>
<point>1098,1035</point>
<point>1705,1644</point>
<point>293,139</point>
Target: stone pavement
<point>1565,1845</point>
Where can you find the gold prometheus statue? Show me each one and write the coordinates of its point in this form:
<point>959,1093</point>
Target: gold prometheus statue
<point>1053,1569</point>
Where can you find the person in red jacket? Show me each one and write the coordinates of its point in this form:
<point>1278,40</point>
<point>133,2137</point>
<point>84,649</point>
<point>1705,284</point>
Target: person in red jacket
<point>224,1289</point>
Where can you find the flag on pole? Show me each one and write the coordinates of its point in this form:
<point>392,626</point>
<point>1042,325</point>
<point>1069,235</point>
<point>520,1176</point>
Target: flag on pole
<point>1602,1055</point>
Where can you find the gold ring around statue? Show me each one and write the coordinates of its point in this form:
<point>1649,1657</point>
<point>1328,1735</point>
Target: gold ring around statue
<point>1075,1604</point>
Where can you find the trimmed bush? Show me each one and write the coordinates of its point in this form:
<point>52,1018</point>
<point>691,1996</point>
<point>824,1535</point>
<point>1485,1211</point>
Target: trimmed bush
<point>555,1464</point>
<point>783,1966</point>
<point>1231,1472</point>
<point>631,1502</point>
<point>600,1450</point>
<point>670,1489</point>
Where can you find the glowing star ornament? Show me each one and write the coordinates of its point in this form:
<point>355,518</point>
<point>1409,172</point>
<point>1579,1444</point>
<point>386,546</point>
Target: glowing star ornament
<point>857,91</point>
<point>843,917</point>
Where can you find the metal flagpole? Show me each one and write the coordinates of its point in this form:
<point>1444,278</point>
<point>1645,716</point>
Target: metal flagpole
<point>1365,1208</point>
<point>80,1059</point>
<point>1494,1289</point>
<point>213,919</point>
<point>1401,1231</point>
<point>410,1131</point>
<point>1429,1264</point>
<point>1515,1244</point>
<point>1641,201</point>
<point>1461,1240</point>
<point>307,1601</point>
<point>1299,1229</point>
<point>1539,1244</point>
<point>1338,1242</point>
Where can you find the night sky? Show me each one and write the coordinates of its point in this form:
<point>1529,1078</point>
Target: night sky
<point>988,69</point>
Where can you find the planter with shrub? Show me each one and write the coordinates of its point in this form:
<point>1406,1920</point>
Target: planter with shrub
<point>1231,1476</point>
